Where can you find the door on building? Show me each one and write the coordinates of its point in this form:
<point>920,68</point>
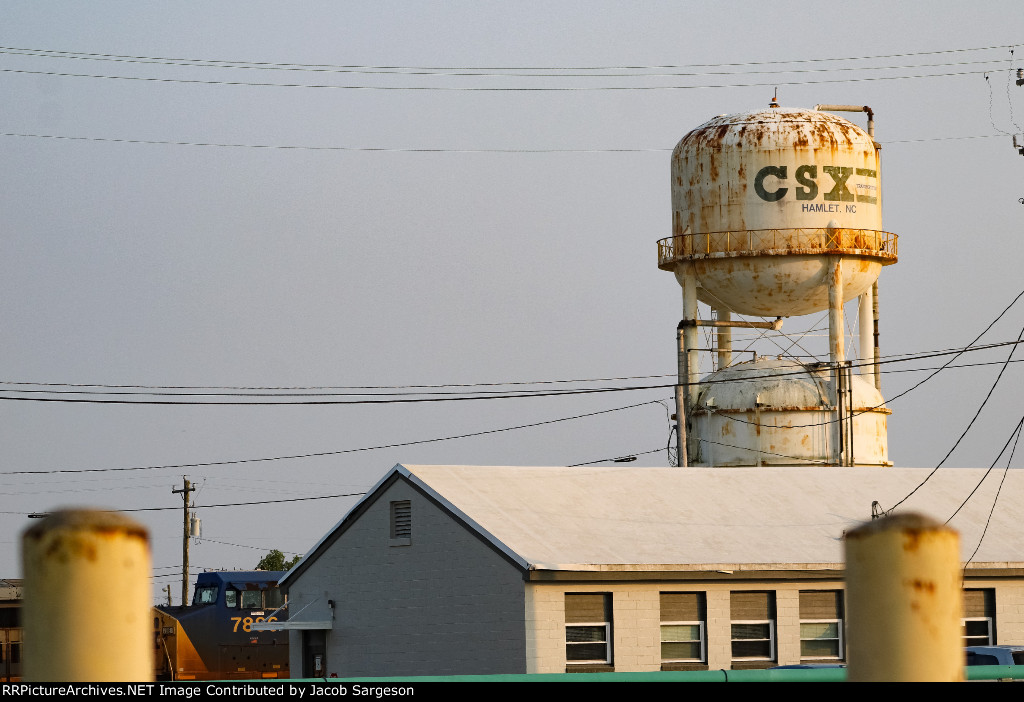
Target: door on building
<point>314,654</point>
<point>10,655</point>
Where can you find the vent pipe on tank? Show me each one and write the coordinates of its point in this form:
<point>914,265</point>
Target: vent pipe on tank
<point>869,353</point>
<point>852,108</point>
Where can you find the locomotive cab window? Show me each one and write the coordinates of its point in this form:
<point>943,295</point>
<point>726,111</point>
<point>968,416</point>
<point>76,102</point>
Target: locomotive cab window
<point>206,595</point>
<point>274,598</point>
<point>230,598</point>
<point>252,599</point>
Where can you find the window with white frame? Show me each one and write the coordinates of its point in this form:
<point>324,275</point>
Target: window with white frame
<point>588,628</point>
<point>753,625</point>
<point>979,617</point>
<point>683,617</point>
<point>821,625</point>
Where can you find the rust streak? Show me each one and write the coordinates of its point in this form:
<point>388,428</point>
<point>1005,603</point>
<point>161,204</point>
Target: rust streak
<point>923,585</point>
<point>911,539</point>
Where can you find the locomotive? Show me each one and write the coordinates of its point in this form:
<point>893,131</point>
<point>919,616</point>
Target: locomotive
<point>212,639</point>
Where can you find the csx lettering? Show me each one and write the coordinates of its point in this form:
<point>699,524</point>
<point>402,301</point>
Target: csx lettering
<point>769,183</point>
<point>770,195</point>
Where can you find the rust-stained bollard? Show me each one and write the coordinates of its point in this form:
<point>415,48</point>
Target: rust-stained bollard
<point>904,601</point>
<point>87,603</point>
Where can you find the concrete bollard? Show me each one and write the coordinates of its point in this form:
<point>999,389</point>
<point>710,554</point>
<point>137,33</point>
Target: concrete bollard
<point>904,601</point>
<point>87,605</point>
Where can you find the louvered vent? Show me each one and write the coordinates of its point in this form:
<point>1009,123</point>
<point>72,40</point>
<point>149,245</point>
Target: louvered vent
<point>401,520</point>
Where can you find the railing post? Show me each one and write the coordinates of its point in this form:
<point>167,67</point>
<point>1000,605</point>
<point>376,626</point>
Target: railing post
<point>87,603</point>
<point>904,601</point>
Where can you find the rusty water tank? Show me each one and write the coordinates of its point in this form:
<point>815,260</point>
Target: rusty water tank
<point>761,199</point>
<point>778,412</point>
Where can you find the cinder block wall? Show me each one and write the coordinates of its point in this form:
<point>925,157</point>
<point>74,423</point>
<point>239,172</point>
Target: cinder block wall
<point>636,621</point>
<point>445,603</point>
<point>1009,609</point>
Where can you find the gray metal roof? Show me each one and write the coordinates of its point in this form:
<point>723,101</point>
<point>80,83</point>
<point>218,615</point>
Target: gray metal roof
<point>712,518</point>
<point>701,519</point>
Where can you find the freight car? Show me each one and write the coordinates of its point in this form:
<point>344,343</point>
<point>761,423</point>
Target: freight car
<point>212,638</point>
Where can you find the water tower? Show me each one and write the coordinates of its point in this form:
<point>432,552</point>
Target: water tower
<point>778,213</point>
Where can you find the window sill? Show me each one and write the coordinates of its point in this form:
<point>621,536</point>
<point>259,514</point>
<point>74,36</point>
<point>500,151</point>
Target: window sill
<point>589,668</point>
<point>684,665</point>
<point>817,661</point>
<point>753,664</point>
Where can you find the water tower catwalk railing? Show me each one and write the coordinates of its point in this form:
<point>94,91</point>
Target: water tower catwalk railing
<point>766,242</point>
<point>776,213</point>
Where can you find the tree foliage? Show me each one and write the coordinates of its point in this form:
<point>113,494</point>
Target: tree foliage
<point>275,561</point>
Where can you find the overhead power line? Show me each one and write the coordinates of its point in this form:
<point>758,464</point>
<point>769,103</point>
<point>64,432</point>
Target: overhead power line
<point>621,458</point>
<point>959,438</point>
<point>234,63</point>
<point>800,459</point>
<point>413,150</point>
<point>431,386</point>
<point>365,401</point>
<point>971,423</point>
<point>301,147</point>
<point>454,394</point>
<point>332,387</point>
<point>492,89</point>
<point>955,355</point>
<point>1016,438</point>
<point>506,72</point>
<point>327,453</point>
<point>258,548</point>
<point>230,504</point>
<point>898,358</point>
<point>287,399</point>
<point>247,504</point>
<point>988,395</point>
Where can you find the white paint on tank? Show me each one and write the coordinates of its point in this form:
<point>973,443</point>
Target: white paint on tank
<point>759,200</point>
<point>777,412</point>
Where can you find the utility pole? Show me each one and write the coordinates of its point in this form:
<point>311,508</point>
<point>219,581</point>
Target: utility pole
<point>682,397</point>
<point>168,588</point>
<point>184,540</point>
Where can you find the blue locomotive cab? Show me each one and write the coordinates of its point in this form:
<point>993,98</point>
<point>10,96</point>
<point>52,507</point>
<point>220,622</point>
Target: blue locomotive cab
<point>213,639</point>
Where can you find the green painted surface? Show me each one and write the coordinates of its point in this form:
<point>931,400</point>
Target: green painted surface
<point>978,672</point>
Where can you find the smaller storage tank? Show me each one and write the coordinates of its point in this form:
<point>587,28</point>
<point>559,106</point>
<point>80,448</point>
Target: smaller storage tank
<point>777,412</point>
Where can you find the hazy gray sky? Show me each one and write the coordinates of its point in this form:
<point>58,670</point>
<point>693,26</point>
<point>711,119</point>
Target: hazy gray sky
<point>441,233</point>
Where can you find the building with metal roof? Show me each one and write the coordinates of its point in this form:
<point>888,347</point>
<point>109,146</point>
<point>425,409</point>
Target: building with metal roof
<point>492,569</point>
<point>488,569</point>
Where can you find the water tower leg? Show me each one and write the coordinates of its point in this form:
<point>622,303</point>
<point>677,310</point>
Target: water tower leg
<point>865,326</point>
<point>836,339</point>
<point>724,341</point>
<point>836,353</point>
<point>692,360</point>
<point>874,314</point>
<point>690,335</point>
